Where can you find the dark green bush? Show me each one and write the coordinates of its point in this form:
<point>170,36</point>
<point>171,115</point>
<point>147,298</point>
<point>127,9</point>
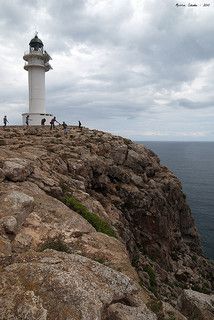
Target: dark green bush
<point>152,278</point>
<point>194,258</point>
<point>55,244</point>
<point>98,223</point>
<point>155,305</point>
<point>100,260</point>
<point>135,261</point>
<point>171,317</point>
<point>203,289</point>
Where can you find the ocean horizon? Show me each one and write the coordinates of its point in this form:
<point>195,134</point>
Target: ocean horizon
<point>193,163</point>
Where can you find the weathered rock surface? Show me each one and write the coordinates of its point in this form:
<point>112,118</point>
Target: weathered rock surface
<point>119,311</point>
<point>197,305</point>
<point>156,244</point>
<point>17,169</point>
<point>59,286</point>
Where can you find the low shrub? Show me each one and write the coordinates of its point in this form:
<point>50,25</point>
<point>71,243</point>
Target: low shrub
<point>100,260</point>
<point>135,261</point>
<point>152,278</point>
<point>98,223</point>
<point>156,306</point>
<point>171,317</point>
<point>203,289</point>
<point>55,244</point>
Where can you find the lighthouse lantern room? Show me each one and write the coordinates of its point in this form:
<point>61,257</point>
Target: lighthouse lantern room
<point>37,63</point>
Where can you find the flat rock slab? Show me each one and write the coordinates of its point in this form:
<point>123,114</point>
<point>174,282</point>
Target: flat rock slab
<point>54,285</point>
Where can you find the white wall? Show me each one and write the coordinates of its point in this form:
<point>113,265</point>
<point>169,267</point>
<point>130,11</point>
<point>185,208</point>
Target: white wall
<point>35,119</point>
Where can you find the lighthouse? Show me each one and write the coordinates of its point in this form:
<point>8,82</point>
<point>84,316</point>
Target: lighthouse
<point>37,63</point>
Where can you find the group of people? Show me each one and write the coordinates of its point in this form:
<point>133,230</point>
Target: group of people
<point>43,121</point>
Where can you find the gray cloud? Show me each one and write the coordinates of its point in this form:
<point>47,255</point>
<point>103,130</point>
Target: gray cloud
<point>121,64</point>
<point>190,104</point>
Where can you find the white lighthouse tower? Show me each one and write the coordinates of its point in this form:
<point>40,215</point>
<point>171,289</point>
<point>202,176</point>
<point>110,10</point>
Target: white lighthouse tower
<point>37,63</point>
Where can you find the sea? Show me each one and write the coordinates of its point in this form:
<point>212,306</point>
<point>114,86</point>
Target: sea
<point>193,164</point>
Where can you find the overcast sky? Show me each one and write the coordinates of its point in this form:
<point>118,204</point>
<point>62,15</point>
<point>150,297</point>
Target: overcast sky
<point>143,69</point>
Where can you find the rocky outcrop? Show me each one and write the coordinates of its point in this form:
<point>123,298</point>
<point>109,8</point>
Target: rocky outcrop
<point>54,285</point>
<point>17,169</point>
<point>197,305</point>
<point>61,193</point>
<point>63,286</point>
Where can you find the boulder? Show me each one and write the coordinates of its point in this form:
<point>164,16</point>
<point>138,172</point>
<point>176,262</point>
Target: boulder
<point>10,224</point>
<point>15,205</point>
<point>119,311</point>
<point>170,312</point>
<point>197,305</point>
<point>17,169</point>
<point>107,251</point>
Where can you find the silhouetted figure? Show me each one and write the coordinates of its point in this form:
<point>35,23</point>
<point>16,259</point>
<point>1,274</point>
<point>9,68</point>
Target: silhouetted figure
<point>65,126</point>
<point>80,125</point>
<point>43,122</point>
<point>53,123</point>
<point>5,121</point>
<point>27,120</point>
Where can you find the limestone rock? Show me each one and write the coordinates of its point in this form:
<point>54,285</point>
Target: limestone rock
<point>196,305</point>
<point>5,247</point>
<point>119,311</point>
<point>107,251</point>
<point>17,203</point>
<point>62,286</point>
<point>17,169</point>
<point>170,312</point>
<point>10,224</point>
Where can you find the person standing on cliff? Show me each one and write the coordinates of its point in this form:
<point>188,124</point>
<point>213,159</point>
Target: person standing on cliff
<point>5,121</point>
<point>53,123</point>
<point>80,125</point>
<point>43,122</point>
<point>27,120</point>
<point>64,125</point>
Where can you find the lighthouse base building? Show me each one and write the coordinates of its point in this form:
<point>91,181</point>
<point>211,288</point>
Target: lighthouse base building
<point>35,119</point>
<point>37,64</point>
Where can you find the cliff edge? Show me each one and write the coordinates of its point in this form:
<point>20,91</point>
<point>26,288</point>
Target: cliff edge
<point>94,227</point>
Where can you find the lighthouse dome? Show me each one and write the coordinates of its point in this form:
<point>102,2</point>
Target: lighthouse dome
<point>36,43</point>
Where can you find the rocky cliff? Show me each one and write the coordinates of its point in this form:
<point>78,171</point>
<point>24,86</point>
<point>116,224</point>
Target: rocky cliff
<point>94,227</point>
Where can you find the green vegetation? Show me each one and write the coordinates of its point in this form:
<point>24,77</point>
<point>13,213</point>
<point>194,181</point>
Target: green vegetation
<point>65,188</point>
<point>194,258</point>
<point>203,289</point>
<point>98,223</point>
<point>156,307</point>
<point>181,285</point>
<point>135,261</point>
<point>171,317</point>
<point>152,278</point>
<point>100,260</point>
<point>55,244</point>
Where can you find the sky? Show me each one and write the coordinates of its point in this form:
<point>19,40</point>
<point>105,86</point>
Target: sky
<point>142,69</point>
